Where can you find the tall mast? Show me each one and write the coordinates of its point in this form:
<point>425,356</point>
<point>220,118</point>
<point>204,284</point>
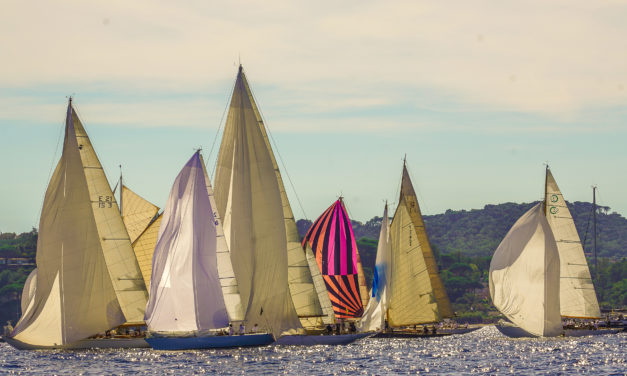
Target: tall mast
<point>594,230</point>
<point>121,192</point>
<point>546,176</point>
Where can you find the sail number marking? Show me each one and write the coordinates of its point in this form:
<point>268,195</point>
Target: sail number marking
<point>105,202</point>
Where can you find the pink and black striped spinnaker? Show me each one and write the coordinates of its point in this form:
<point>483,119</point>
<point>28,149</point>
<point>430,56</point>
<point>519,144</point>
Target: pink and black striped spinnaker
<point>333,244</point>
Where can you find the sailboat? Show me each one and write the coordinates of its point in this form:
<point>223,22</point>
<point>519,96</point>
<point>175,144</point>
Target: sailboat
<point>374,316</point>
<point>87,278</point>
<point>416,294</point>
<point>187,308</point>
<point>577,297</point>
<point>248,198</point>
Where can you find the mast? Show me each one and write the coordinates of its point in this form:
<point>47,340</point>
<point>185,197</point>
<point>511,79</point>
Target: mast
<point>546,177</point>
<point>121,189</point>
<point>594,231</point>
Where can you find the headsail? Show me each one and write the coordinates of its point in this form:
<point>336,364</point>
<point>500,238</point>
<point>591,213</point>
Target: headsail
<point>577,295</point>
<point>185,293</point>
<point>335,249</point>
<point>248,198</point>
<point>144,248</point>
<point>137,213</point>
<point>525,275</point>
<point>375,314</point>
<point>88,280</point>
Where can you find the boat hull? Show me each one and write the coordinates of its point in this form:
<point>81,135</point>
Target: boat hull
<point>311,340</point>
<point>459,330</point>
<point>96,343</point>
<point>587,332</point>
<point>208,342</point>
<point>409,334</point>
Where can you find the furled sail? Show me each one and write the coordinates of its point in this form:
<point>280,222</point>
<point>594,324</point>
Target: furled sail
<point>335,249</point>
<point>410,202</point>
<point>577,296</point>
<point>88,280</point>
<point>248,198</point>
<point>137,213</point>
<point>185,292</point>
<point>525,275</point>
<point>375,314</point>
<point>302,288</point>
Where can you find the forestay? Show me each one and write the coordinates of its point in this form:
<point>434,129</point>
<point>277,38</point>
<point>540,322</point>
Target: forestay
<point>525,275</point>
<point>577,296</point>
<point>185,291</point>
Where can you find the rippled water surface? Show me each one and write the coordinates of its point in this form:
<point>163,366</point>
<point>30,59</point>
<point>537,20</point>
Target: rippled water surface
<point>482,351</point>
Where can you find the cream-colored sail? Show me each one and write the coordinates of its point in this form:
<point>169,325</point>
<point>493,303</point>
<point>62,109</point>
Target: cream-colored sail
<point>230,290</point>
<point>248,197</point>
<point>328,316</point>
<point>137,213</point>
<point>144,248</point>
<point>87,278</point>
<point>525,275</point>
<point>116,247</point>
<point>28,291</point>
<point>411,298</point>
<point>577,295</point>
<point>302,288</point>
<point>411,201</point>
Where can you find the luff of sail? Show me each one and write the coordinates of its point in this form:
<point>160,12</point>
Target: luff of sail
<point>333,244</point>
<point>249,201</point>
<point>577,296</point>
<point>137,213</point>
<point>408,196</point>
<point>375,314</point>
<point>83,251</point>
<point>300,275</point>
<point>185,291</point>
<point>524,275</point>
<point>144,248</point>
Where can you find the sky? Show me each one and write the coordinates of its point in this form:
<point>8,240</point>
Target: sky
<point>477,95</point>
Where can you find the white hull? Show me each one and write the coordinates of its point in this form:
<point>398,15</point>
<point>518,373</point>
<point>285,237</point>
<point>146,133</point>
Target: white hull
<point>98,343</point>
<point>514,331</point>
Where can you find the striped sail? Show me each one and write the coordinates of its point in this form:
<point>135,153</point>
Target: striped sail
<point>577,296</point>
<point>333,244</point>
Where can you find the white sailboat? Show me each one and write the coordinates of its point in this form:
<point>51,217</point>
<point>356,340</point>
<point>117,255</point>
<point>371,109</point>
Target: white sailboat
<point>188,308</point>
<point>415,292</point>
<point>88,280</point>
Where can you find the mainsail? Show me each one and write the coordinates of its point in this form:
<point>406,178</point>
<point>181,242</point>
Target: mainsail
<point>137,213</point>
<point>375,314</point>
<point>248,198</point>
<point>416,292</point>
<point>333,244</point>
<point>88,280</point>
<point>300,278</point>
<point>577,296</point>
<point>525,275</point>
<point>185,293</point>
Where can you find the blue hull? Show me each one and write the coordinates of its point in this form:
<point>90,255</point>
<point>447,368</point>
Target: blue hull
<point>311,340</point>
<point>209,342</point>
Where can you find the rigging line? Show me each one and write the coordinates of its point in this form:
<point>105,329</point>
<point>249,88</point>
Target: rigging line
<point>276,148</point>
<point>54,157</point>
<point>215,138</point>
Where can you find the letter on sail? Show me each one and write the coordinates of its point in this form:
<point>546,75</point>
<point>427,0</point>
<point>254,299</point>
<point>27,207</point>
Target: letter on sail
<point>525,275</point>
<point>185,293</point>
<point>248,198</point>
<point>577,295</point>
<point>88,280</point>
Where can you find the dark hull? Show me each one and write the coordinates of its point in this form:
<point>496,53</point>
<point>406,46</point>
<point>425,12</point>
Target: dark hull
<point>311,340</point>
<point>408,334</point>
<point>209,342</point>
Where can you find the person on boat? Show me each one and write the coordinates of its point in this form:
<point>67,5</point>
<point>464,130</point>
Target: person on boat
<point>255,327</point>
<point>352,328</point>
<point>230,329</point>
<point>242,328</point>
<point>329,329</point>
<point>8,328</point>
<point>433,329</point>
<point>337,329</point>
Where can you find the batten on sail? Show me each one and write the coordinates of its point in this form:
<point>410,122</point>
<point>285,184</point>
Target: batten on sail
<point>577,295</point>
<point>137,213</point>
<point>335,249</point>
<point>248,197</point>
<point>525,275</point>
<point>87,278</point>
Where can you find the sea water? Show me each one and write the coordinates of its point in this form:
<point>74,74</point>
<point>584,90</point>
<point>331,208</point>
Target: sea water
<point>482,351</point>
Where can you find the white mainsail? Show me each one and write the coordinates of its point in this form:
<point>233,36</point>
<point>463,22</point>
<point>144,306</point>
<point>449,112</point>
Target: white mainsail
<point>577,296</point>
<point>185,291</point>
<point>137,213</point>
<point>88,280</point>
<point>248,197</point>
<point>525,275</point>
<point>375,314</point>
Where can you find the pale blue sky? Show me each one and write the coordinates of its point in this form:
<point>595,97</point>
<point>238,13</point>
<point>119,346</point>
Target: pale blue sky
<point>477,98</point>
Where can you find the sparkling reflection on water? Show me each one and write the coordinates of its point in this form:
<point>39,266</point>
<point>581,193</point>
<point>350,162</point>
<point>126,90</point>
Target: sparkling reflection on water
<point>482,351</point>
